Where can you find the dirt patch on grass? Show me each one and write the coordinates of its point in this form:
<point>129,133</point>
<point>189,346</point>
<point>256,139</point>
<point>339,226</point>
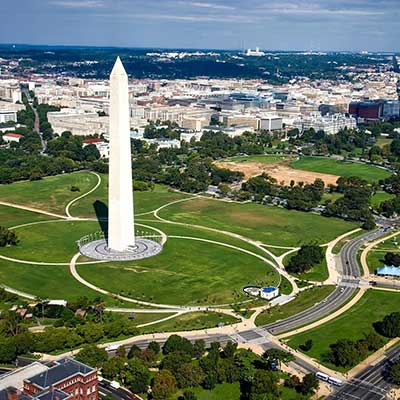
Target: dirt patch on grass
<point>279,171</point>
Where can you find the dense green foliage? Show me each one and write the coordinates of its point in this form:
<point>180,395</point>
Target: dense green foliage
<point>7,237</point>
<point>308,256</point>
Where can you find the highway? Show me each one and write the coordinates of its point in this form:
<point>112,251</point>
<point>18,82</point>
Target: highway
<point>370,384</point>
<point>345,290</point>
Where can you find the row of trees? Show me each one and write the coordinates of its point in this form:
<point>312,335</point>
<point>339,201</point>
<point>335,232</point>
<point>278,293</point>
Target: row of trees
<point>185,366</point>
<point>69,331</point>
<point>347,353</point>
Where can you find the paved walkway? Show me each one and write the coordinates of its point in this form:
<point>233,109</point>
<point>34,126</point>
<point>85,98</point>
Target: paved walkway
<point>31,209</point>
<point>68,206</point>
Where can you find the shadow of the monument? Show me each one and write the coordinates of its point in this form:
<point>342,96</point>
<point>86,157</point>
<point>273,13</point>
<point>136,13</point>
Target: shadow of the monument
<point>101,211</point>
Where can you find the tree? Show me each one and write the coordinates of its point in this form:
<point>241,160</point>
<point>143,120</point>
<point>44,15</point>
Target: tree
<point>155,347</point>
<point>394,373</point>
<point>277,356</point>
<point>199,348</point>
<point>134,351</point>
<point>8,351</point>
<point>163,385</point>
<point>92,355</point>
<point>263,386</point>
<point>177,343</point>
<point>309,385</point>
<point>137,376</point>
<point>308,256</point>
<point>308,344</point>
<point>189,375</point>
<point>7,237</point>
<point>390,325</point>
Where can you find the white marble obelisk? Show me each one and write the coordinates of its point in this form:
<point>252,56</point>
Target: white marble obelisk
<point>121,232</point>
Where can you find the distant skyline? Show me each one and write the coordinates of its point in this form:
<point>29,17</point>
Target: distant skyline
<point>319,25</point>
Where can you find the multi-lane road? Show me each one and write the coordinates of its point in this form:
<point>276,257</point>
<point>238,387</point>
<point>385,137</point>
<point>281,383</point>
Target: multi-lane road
<point>370,384</point>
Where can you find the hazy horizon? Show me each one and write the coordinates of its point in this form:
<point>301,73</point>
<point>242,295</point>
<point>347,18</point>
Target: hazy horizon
<point>290,25</point>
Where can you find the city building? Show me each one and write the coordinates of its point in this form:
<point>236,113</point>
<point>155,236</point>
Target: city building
<point>7,116</point>
<point>254,53</point>
<point>78,122</point>
<point>270,123</point>
<point>367,110</point>
<point>330,124</point>
<point>101,145</point>
<point>62,380</point>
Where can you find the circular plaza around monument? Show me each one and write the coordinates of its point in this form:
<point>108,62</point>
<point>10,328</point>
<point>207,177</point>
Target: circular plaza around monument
<point>95,246</point>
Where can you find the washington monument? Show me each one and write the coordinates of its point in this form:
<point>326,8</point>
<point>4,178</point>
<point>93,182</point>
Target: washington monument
<point>121,232</point>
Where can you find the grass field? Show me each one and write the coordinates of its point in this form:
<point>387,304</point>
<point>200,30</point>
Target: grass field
<point>191,321</point>
<point>52,193</point>
<point>271,225</point>
<point>380,197</point>
<point>353,324</point>
<point>340,168</point>
<point>53,282</point>
<point>49,242</point>
<point>382,141</point>
<point>144,201</point>
<point>10,216</point>
<point>215,275</point>
<point>303,300</point>
<point>261,158</point>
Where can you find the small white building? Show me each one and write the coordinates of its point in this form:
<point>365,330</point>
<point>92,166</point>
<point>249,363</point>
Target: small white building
<point>12,137</point>
<point>269,293</point>
<point>271,123</point>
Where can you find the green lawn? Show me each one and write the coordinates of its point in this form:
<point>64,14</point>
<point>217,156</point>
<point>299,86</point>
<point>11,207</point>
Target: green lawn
<point>224,391</point>
<point>340,168</point>
<point>54,282</point>
<point>10,216</point>
<point>52,193</point>
<point>383,141</point>
<point>144,201</point>
<point>186,272</point>
<point>303,300</point>
<point>49,242</point>
<point>269,224</point>
<point>191,321</point>
<point>380,197</point>
<point>331,196</point>
<point>353,324</point>
<point>262,158</point>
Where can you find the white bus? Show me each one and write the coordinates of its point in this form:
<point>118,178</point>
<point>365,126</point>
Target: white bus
<point>322,376</point>
<point>334,381</point>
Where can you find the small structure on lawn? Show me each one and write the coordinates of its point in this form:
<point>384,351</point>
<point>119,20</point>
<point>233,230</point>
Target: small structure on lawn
<point>266,293</point>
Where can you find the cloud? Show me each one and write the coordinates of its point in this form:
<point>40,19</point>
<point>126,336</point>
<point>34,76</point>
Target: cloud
<point>211,6</point>
<point>79,4</point>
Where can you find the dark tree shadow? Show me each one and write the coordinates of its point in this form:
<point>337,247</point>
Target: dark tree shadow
<point>101,211</point>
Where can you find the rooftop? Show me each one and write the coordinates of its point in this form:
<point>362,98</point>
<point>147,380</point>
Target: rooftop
<point>64,368</point>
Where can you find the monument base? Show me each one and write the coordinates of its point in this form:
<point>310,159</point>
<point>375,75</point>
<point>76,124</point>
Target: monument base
<point>98,250</point>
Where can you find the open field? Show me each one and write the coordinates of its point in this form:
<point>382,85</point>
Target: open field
<point>53,282</point>
<point>261,158</point>
<point>49,242</point>
<point>380,197</point>
<point>10,216</point>
<point>303,300</point>
<point>280,171</point>
<point>186,272</point>
<point>144,201</point>
<point>353,324</point>
<point>383,141</point>
<point>52,193</point>
<point>191,321</point>
<point>370,173</point>
<point>268,224</point>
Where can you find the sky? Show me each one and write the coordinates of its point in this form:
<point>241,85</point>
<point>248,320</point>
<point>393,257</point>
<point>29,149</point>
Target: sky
<point>319,25</point>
